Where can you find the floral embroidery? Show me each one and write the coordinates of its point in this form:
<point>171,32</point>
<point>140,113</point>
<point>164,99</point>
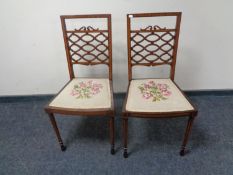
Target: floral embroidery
<point>86,89</point>
<point>155,91</point>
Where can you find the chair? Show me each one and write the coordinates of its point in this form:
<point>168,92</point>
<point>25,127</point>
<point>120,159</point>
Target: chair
<point>154,98</point>
<point>88,46</point>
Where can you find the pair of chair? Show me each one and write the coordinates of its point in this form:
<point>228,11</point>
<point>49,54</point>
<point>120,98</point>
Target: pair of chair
<point>146,98</point>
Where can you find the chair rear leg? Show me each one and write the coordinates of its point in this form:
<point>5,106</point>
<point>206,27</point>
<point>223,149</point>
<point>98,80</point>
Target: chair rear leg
<point>112,134</point>
<point>187,133</point>
<point>125,137</point>
<point>54,124</point>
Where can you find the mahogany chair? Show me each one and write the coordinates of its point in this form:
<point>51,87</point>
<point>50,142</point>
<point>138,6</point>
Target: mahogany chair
<point>88,46</point>
<point>154,98</point>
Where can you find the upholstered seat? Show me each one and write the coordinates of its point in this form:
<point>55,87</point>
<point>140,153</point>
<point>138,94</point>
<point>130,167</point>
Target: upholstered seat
<point>84,93</point>
<point>156,95</point>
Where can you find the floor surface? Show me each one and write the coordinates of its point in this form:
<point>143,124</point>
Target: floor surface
<point>28,144</point>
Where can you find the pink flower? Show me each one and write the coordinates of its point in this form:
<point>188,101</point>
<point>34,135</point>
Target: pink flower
<point>89,83</point>
<point>162,87</point>
<point>95,88</point>
<point>74,93</point>
<point>152,83</point>
<point>96,91</point>
<point>166,93</point>
<point>82,84</point>
<point>146,86</point>
<point>97,85</point>
<point>147,95</point>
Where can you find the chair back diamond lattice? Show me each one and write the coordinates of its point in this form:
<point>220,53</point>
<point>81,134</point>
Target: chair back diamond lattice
<point>88,45</point>
<point>153,45</point>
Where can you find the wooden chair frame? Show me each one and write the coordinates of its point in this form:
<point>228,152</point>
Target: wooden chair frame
<point>172,62</point>
<point>109,112</point>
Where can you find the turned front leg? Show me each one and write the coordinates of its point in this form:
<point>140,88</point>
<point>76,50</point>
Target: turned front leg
<point>187,134</point>
<point>125,136</point>
<point>54,124</point>
<point>112,134</point>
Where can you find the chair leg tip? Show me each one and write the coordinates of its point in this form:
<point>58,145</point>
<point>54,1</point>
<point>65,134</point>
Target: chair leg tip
<point>112,151</point>
<point>125,153</point>
<point>63,148</point>
<point>182,153</point>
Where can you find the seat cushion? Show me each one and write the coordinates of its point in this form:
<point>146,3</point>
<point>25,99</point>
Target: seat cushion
<point>84,93</point>
<point>156,95</point>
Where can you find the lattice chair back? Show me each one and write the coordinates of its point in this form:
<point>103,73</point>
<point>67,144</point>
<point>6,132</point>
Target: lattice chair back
<point>153,45</point>
<point>88,45</point>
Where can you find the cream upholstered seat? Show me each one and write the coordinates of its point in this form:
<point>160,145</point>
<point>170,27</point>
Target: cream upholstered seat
<point>156,95</point>
<point>84,93</point>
